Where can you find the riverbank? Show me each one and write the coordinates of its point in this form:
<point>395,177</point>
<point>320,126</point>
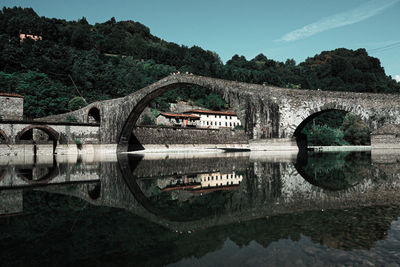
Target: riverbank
<point>338,148</point>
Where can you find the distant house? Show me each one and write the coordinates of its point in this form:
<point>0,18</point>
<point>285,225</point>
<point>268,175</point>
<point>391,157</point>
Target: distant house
<point>180,120</point>
<point>215,119</point>
<point>23,36</point>
<point>205,182</point>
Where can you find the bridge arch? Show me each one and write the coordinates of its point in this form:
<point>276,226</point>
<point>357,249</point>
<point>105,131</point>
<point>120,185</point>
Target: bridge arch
<point>28,131</point>
<point>93,115</point>
<point>311,114</point>
<point>126,140</point>
<point>27,175</point>
<point>3,137</point>
<point>94,190</point>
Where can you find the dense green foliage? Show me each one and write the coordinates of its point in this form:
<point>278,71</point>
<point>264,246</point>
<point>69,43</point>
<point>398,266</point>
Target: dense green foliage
<point>76,103</point>
<point>337,128</point>
<point>335,170</point>
<point>43,96</point>
<point>113,59</point>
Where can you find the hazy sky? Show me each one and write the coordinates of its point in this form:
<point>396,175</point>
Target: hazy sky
<point>279,29</point>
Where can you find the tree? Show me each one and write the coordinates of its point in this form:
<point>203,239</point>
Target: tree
<point>355,130</point>
<point>76,103</point>
<point>322,135</point>
<point>43,96</point>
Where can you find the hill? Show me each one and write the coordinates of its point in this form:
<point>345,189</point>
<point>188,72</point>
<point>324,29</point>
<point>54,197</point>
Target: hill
<point>113,59</point>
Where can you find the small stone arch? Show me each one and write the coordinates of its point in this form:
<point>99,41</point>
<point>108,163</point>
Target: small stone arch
<point>94,190</point>
<point>53,134</point>
<point>3,172</point>
<point>93,115</point>
<point>27,174</point>
<point>3,137</point>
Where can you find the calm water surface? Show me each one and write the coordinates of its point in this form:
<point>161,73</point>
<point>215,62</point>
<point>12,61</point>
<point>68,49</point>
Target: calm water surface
<point>227,209</point>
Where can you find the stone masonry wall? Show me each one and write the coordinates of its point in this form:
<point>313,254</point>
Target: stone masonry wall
<point>66,134</point>
<point>12,107</point>
<point>172,136</point>
<point>386,137</point>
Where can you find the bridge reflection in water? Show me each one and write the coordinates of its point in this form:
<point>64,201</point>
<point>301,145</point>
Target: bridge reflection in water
<point>199,203</point>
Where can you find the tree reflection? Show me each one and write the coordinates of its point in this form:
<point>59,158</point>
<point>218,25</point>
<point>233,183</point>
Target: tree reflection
<point>335,170</point>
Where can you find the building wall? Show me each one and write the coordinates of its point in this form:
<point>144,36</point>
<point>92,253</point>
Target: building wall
<point>12,108</point>
<point>168,121</point>
<point>386,137</point>
<point>218,121</point>
<point>220,179</point>
<point>199,181</point>
<point>161,120</point>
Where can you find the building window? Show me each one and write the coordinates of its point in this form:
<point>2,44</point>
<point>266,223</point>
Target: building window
<point>219,123</point>
<point>231,123</point>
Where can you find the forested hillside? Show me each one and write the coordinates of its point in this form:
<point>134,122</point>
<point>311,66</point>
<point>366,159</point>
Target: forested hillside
<point>113,59</point>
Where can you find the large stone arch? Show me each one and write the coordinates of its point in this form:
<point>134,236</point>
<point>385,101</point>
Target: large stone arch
<point>127,141</point>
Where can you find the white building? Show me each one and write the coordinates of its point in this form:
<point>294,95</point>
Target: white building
<point>218,179</point>
<point>178,120</point>
<point>203,182</point>
<point>215,119</point>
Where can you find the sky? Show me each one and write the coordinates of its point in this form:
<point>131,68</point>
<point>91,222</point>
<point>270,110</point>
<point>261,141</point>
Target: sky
<point>283,29</point>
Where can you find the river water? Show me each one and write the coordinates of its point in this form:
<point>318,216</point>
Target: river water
<point>208,209</point>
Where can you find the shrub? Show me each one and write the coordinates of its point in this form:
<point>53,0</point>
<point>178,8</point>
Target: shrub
<point>76,103</point>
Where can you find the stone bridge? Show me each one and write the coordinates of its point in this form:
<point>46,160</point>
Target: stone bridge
<point>45,138</point>
<point>267,113</point>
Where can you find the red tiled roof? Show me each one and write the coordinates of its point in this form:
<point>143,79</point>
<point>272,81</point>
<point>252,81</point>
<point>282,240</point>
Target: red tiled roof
<point>212,112</point>
<point>11,95</point>
<point>179,115</point>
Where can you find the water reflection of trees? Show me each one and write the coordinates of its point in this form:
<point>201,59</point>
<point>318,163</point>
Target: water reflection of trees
<point>336,170</point>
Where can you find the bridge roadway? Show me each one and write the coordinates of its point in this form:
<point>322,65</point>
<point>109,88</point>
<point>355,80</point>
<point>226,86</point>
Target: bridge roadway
<point>267,113</point>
